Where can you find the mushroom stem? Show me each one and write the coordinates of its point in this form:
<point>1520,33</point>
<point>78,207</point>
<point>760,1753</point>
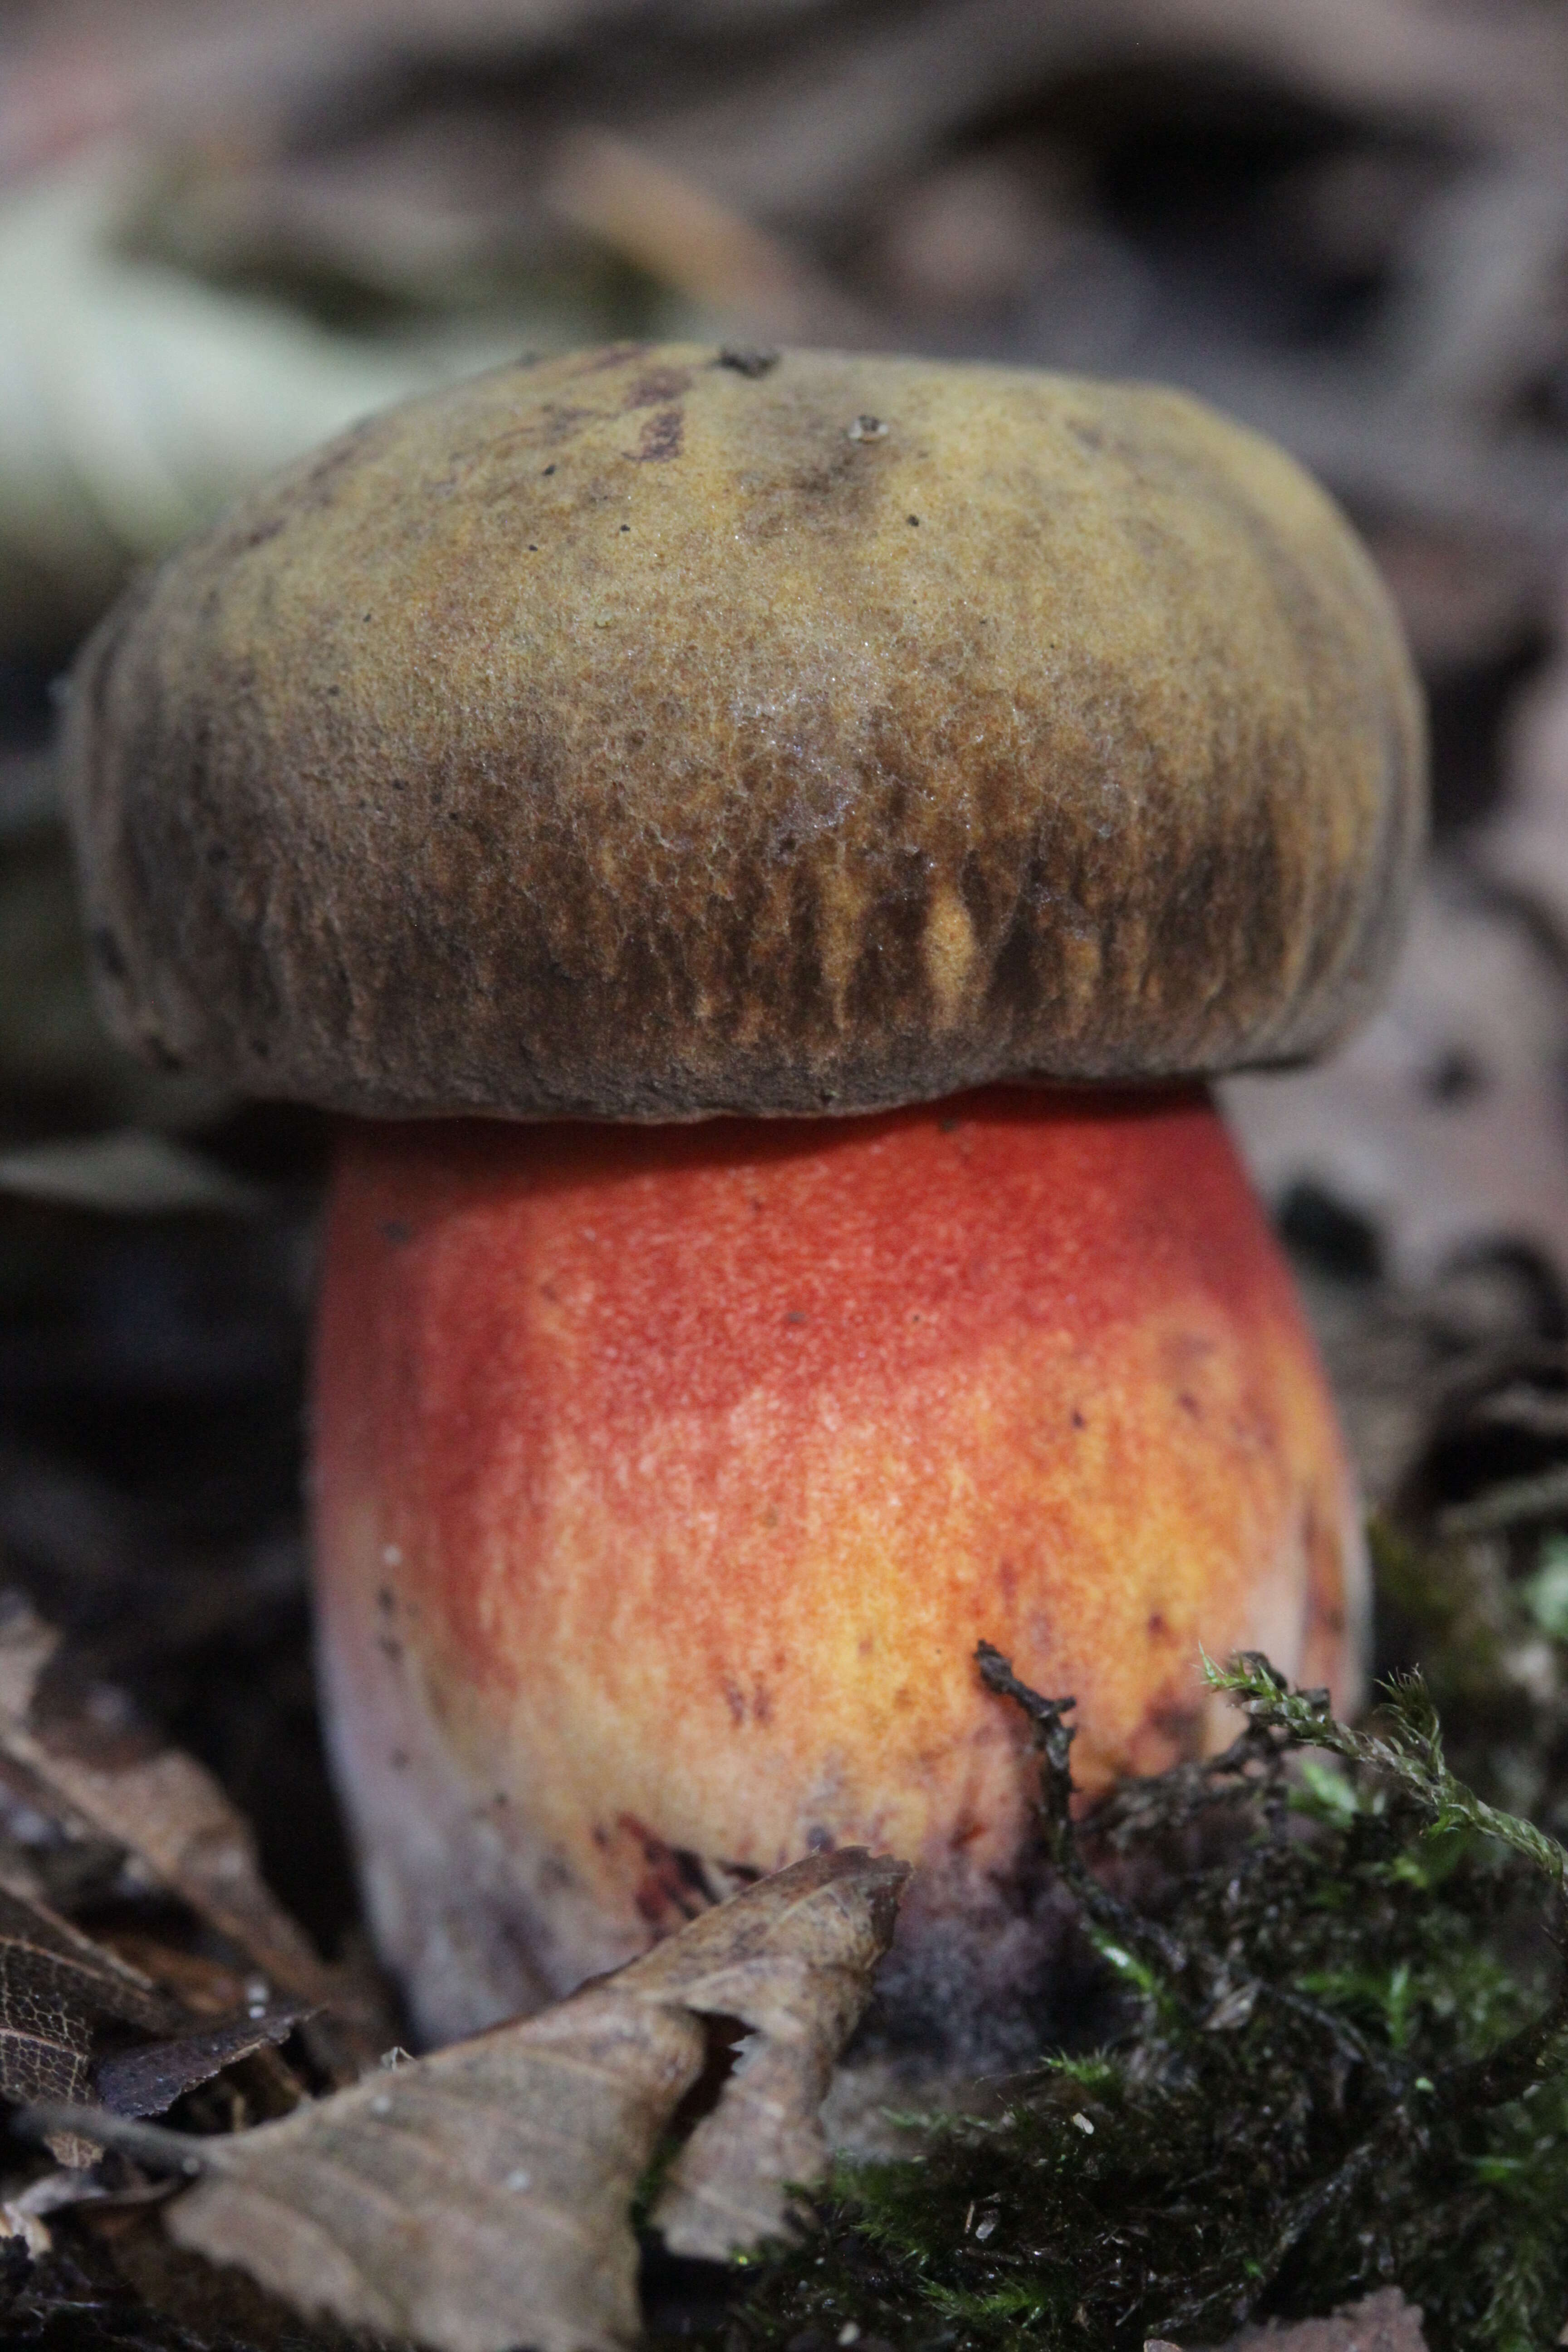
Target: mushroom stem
<point>668,1475</point>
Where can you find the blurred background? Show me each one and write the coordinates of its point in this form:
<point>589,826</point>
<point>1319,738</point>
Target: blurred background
<point>226,230</point>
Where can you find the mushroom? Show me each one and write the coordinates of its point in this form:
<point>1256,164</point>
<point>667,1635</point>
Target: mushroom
<point>764,853</point>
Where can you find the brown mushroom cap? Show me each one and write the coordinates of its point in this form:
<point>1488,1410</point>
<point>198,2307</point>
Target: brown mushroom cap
<point>645,734</point>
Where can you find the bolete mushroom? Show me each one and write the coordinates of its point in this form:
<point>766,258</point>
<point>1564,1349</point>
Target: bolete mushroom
<point>764,854</point>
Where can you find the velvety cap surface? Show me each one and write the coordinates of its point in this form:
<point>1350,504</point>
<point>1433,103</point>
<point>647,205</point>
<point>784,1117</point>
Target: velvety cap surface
<point>644,734</point>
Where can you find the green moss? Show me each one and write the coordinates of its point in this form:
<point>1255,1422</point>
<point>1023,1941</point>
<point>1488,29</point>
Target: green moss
<point>1342,2063</point>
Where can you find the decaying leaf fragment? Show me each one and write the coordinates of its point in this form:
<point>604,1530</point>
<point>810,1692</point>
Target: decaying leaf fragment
<point>61,1990</point>
<point>793,1963</point>
<point>479,2198</point>
<point>165,1808</point>
<point>56,1987</point>
<point>148,2081</point>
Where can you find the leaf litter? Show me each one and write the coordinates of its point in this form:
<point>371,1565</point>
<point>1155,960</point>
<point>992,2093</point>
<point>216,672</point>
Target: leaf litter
<point>58,1987</point>
<point>166,1809</point>
<point>147,2080</point>
<point>482,2197</point>
<point>1335,2078</point>
<point>169,1813</point>
<point>79,2019</point>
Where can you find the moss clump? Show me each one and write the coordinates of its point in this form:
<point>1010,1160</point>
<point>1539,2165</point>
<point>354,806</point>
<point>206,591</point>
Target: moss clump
<point>1343,2063</point>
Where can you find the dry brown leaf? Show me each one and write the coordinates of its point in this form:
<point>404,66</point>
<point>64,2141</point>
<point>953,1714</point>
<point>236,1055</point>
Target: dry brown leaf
<point>147,2081</point>
<point>164,1809</point>
<point>56,1985</point>
<point>479,2198</point>
<point>799,1987</point>
<point>59,1988</point>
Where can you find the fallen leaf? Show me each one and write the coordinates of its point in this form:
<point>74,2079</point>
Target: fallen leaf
<point>800,1988</point>
<point>56,1987</point>
<point>479,2198</point>
<point>147,2081</point>
<point>168,1811</point>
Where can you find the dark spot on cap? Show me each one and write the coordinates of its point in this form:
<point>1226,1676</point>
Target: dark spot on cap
<point>748,359</point>
<point>661,437</point>
<point>658,387</point>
